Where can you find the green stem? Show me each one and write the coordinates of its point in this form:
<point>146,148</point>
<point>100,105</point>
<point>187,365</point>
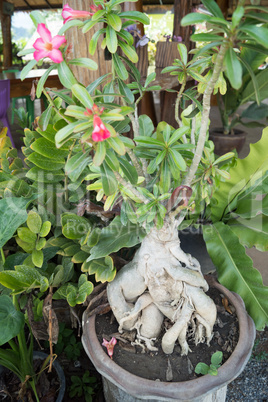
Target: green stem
<point>205,114</point>
<point>177,104</point>
<point>66,194</point>
<point>50,101</point>
<point>3,255</point>
<point>131,188</point>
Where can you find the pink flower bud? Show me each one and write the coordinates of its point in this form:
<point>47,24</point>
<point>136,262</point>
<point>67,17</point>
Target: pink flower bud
<point>110,346</point>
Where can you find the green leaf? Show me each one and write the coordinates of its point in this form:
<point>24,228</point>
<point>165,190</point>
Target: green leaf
<point>84,62</point>
<point>120,67</point>
<point>126,92</point>
<point>70,24</point>
<point>194,18</point>
<point>146,126</point>
<point>114,21</point>
<point>252,232</point>
<point>149,79</point>
<point>178,159</point>
<point>233,68</point>
<point>117,144</point>
<point>236,272</point>
<point>128,170</point>
<point>201,368</point>
<point>42,80</point>
<point>92,87</point>
<point>205,37</point>
<point>108,180</point>
<point>74,226</point>
<point>26,235</point>
<point>46,148</point>
<point>248,93</point>
<point>76,165</point>
<point>237,15</point>
<point>216,358</point>
<point>44,176</point>
<point>135,16</point>
<point>34,222</point>
<point>111,160</point>
<point>65,134</point>
<point>116,236</point>
<point>40,243</point>
<point>213,8</point>
<point>12,215</point>
<point>27,69</point>
<point>46,163</point>
<point>99,154</point>
<point>253,79</point>
<point>82,95</point>
<point>111,39</point>
<point>103,268</point>
<point>177,134</point>
<point>129,51</point>
<point>24,278</point>
<point>66,77</point>
<point>247,171</point>
<point>45,118</point>
<point>11,320</point>
<point>258,33</point>
<point>94,40</point>
<point>183,53</point>
<point>38,258</point>
<point>212,370</point>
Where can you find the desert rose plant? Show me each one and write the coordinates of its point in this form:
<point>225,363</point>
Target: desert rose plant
<point>152,181</point>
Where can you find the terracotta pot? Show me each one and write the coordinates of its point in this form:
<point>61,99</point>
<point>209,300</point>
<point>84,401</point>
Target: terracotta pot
<point>121,386</point>
<point>226,143</point>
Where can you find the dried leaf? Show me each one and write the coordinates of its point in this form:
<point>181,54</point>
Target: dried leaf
<point>225,303</point>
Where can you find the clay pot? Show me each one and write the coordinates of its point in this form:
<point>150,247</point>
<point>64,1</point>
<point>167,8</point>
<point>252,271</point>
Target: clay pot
<point>227,143</point>
<point>121,386</point>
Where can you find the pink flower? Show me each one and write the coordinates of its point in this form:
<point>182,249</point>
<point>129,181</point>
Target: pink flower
<point>69,13</point>
<point>46,46</point>
<point>100,132</point>
<point>110,346</point>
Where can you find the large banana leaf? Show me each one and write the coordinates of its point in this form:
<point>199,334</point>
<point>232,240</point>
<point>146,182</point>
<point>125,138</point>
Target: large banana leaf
<point>243,176</point>
<point>252,232</point>
<point>235,270</point>
<point>249,92</point>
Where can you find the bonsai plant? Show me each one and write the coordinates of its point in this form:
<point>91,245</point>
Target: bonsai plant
<point>144,189</point>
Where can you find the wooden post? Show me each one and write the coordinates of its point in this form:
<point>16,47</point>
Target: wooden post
<point>79,47</point>
<point>181,8</point>
<point>223,4</point>
<point>6,35</point>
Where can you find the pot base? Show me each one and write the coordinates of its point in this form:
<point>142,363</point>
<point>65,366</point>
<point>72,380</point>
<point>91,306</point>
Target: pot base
<point>112,393</point>
<point>131,387</point>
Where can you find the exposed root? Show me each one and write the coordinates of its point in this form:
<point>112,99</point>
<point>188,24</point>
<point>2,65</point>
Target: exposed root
<point>163,281</point>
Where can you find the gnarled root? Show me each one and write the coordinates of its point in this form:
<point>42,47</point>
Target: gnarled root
<point>162,281</point>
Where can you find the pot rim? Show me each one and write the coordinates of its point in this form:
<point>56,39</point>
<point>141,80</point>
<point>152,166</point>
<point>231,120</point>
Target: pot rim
<point>187,390</point>
<point>218,132</point>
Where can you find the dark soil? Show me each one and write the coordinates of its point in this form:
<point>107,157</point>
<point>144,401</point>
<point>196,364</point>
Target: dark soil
<point>174,367</point>
<point>47,388</point>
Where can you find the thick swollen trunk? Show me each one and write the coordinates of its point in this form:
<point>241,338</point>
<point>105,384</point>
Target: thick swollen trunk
<point>162,281</point>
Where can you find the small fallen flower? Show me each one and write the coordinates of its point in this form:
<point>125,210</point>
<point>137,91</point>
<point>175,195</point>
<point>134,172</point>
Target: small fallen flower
<point>110,346</point>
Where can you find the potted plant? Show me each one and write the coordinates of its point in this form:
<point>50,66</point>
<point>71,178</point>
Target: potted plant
<point>152,185</point>
<point>242,103</point>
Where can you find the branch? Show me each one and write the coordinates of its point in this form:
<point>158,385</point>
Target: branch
<point>177,104</point>
<point>205,114</point>
<point>131,188</point>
